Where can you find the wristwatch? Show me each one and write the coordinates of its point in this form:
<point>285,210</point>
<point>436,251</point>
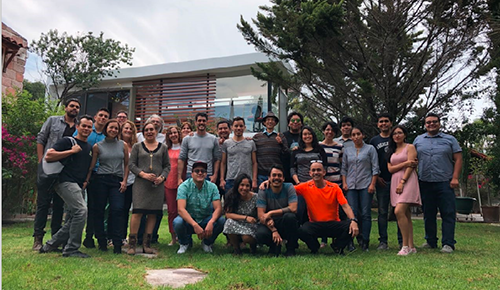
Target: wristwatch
<point>354,220</point>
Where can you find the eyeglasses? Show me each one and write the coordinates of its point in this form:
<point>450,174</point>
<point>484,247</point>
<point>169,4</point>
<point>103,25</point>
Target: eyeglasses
<point>431,122</point>
<point>121,117</point>
<point>200,171</point>
<point>384,121</point>
<point>295,121</point>
<point>317,161</point>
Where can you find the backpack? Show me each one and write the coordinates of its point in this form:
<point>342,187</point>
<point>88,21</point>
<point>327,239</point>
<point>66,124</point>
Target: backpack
<point>49,171</point>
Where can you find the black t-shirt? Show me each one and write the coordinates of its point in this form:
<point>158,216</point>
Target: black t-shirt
<point>76,165</point>
<point>381,145</point>
<point>69,131</point>
<point>293,141</point>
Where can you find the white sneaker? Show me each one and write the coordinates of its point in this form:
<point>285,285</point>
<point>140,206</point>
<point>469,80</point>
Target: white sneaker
<point>183,249</point>
<point>207,249</point>
<point>447,249</point>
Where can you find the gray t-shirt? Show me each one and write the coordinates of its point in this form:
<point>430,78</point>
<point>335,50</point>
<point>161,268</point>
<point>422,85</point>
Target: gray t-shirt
<point>269,200</point>
<point>200,148</point>
<point>239,157</point>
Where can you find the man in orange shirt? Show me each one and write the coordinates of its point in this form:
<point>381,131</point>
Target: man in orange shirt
<point>323,198</point>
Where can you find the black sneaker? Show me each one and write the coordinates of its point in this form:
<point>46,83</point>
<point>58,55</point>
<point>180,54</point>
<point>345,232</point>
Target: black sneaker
<point>49,249</point>
<point>290,252</point>
<point>89,243</point>
<point>76,254</point>
<point>103,245</point>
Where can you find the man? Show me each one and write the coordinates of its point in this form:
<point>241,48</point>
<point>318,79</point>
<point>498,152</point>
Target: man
<point>295,122</point>
<point>223,130</point>
<point>97,135</point>
<point>202,146</point>
<point>346,124</point>
<point>122,117</point>
<point>52,131</point>
<point>159,124</point>
<point>276,208</point>
<point>439,166</point>
<point>323,199</point>
<point>271,147</point>
<point>70,186</point>
<point>383,187</point>
<point>200,210</point>
<point>238,156</point>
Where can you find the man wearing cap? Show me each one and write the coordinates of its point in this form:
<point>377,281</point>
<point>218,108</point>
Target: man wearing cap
<point>200,210</point>
<point>271,146</point>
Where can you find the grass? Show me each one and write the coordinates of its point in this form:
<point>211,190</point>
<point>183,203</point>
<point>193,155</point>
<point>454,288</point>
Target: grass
<point>475,265</point>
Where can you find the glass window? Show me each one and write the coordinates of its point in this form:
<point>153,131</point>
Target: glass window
<point>95,101</point>
<point>119,100</point>
<point>244,96</point>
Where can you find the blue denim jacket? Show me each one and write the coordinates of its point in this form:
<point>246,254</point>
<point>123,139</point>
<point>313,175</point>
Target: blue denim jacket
<point>52,130</point>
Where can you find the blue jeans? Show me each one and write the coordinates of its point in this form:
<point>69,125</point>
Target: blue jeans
<point>438,195</point>
<point>261,178</point>
<point>360,201</point>
<point>185,231</point>
<point>107,189</point>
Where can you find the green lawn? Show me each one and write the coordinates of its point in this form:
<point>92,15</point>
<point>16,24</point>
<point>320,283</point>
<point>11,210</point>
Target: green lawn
<point>475,265</point>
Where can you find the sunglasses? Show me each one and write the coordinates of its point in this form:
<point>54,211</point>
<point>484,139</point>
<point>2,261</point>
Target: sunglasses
<point>432,122</point>
<point>200,171</point>
<point>317,161</point>
<point>295,121</point>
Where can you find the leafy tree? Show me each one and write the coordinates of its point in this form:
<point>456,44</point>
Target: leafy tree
<point>79,62</point>
<point>36,89</point>
<point>360,58</point>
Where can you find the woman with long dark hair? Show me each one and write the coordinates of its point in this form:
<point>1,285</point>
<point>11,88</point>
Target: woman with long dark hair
<point>240,206</point>
<point>173,140</point>
<point>309,150</point>
<point>110,184</point>
<point>405,191</point>
<point>359,174</point>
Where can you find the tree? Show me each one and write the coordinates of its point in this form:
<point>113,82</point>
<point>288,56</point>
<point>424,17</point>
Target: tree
<point>360,58</point>
<point>36,89</point>
<point>79,62</point>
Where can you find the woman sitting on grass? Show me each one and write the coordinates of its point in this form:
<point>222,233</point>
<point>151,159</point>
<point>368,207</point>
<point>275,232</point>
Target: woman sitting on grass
<point>405,191</point>
<point>240,207</point>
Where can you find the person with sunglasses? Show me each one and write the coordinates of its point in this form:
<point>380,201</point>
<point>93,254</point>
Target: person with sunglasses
<point>439,166</point>
<point>200,210</point>
<point>295,123</point>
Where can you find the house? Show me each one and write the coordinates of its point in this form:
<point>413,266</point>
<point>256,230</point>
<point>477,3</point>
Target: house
<point>222,87</point>
<point>14,55</point>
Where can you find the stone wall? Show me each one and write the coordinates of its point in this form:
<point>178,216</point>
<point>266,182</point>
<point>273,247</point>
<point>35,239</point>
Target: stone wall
<point>13,77</point>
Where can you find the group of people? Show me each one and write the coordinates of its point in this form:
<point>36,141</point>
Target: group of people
<point>277,187</point>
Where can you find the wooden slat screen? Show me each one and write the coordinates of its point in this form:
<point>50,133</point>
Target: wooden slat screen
<point>175,99</point>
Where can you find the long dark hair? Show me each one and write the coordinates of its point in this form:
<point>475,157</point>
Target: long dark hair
<point>392,145</point>
<point>232,198</point>
<point>315,142</point>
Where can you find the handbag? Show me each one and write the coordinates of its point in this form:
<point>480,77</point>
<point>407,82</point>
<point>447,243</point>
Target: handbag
<point>52,169</point>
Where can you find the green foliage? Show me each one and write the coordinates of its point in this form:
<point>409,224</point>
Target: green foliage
<point>79,62</point>
<point>22,118</point>
<point>36,89</point>
<point>360,58</point>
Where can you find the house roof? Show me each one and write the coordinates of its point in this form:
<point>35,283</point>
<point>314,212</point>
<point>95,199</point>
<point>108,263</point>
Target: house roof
<point>12,37</point>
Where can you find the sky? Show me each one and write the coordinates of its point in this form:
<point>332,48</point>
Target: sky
<point>161,31</point>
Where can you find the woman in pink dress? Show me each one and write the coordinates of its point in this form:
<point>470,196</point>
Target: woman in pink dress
<point>404,184</point>
<point>173,141</point>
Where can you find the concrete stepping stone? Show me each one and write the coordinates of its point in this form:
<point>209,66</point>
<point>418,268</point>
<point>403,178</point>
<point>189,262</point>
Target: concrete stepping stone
<point>175,278</point>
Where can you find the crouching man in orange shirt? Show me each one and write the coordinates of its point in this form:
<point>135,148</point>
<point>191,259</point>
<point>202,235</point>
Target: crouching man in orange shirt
<point>323,198</point>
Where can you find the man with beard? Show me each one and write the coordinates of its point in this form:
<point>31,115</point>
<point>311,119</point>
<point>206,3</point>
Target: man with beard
<point>202,146</point>
<point>383,187</point>
<point>323,199</point>
<point>295,122</point>
<point>238,157</point>
<point>55,128</point>
<point>69,187</point>
<point>276,208</point>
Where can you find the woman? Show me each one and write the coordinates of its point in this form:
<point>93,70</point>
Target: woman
<point>309,150</point>
<point>186,129</point>
<point>405,191</point>
<point>150,163</point>
<point>129,136</point>
<point>359,175</point>
<point>333,151</point>
<point>240,207</point>
<point>110,183</point>
<point>173,140</point>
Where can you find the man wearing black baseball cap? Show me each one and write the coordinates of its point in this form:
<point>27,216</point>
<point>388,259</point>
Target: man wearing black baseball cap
<point>200,210</point>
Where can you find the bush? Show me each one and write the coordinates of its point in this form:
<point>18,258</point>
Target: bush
<point>22,119</point>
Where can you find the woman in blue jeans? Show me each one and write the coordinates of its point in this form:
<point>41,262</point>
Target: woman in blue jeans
<point>110,183</point>
<point>359,176</point>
